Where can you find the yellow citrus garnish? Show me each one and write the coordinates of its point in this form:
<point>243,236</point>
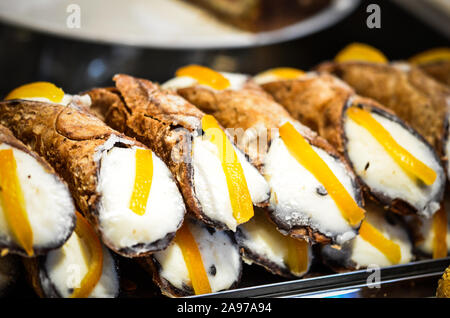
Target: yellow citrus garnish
<point>241,201</point>
<point>404,159</point>
<point>142,181</point>
<point>390,249</point>
<point>297,257</point>
<point>430,56</point>
<point>440,233</point>
<point>193,259</point>
<point>283,73</point>
<point>303,152</point>
<point>37,89</point>
<point>204,76</point>
<point>360,52</point>
<point>84,230</point>
<point>13,202</point>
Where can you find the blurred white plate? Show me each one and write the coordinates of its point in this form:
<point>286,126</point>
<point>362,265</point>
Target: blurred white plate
<point>156,23</point>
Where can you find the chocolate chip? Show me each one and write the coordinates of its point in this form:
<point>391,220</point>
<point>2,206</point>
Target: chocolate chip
<point>212,270</point>
<point>211,230</point>
<point>367,166</point>
<point>321,190</point>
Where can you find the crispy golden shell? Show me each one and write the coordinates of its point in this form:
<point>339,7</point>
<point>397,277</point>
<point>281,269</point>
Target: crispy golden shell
<point>439,70</point>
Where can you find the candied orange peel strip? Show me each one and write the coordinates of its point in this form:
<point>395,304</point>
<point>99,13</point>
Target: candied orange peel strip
<point>430,56</point>
<point>283,72</point>
<point>402,157</point>
<point>142,181</point>
<point>37,89</point>
<point>241,201</point>
<point>297,257</point>
<point>303,152</point>
<point>193,259</point>
<point>204,76</point>
<point>13,202</point>
<point>84,230</point>
<point>440,233</point>
<point>360,52</point>
<point>390,249</point>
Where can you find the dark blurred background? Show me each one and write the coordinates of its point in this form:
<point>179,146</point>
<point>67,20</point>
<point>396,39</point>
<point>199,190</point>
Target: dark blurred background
<point>76,65</point>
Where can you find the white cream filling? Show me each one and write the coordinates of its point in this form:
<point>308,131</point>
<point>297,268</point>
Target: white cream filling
<point>267,77</point>
<point>210,182</point>
<point>67,266</point>
<point>294,196</point>
<point>217,250</point>
<point>263,239</point>
<point>119,224</point>
<point>365,254</point>
<point>384,175</point>
<point>48,203</point>
<point>179,82</point>
<point>237,81</point>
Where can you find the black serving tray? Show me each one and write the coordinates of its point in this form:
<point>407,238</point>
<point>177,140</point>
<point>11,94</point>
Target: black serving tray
<point>416,279</point>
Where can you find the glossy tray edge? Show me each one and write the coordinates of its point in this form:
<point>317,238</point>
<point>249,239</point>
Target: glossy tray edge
<point>338,281</point>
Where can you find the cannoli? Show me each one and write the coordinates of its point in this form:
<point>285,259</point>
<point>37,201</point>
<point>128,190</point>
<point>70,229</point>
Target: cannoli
<point>382,241</point>
<point>434,62</point>
<point>309,190</point>
<point>218,186</point>
<point>9,273</point>
<point>81,268</point>
<point>37,213</point>
<point>394,163</point>
<point>200,260</point>
<point>431,236</point>
<point>126,192</point>
<point>260,243</point>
